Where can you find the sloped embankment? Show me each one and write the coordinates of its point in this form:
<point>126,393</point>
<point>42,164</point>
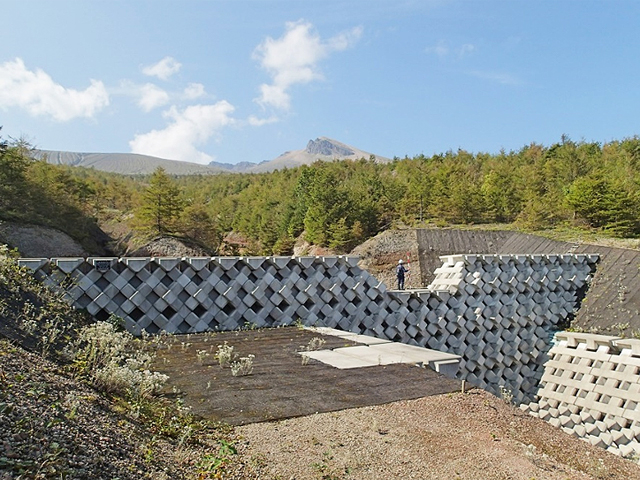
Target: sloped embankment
<point>54,426</point>
<point>56,422</point>
<point>612,303</point>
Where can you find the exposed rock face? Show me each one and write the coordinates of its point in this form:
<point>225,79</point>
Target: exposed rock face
<point>324,146</point>
<point>39,241</point>
<point>169,247</point>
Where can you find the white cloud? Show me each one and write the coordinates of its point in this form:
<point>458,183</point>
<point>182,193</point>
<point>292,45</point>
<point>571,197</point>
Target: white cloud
<point>163,69</point>
<point>258,122</point>
<point>152,96</point>
<point>465,49</point>
<point>188,129</point>
<point>441,49</point>
<point>39,95</point>
<point>193,91</point>
<point>293,58</point>
<point>345,39</point>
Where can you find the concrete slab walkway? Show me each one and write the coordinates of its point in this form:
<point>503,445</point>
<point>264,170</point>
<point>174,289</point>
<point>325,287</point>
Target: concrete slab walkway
<point>376,351</point>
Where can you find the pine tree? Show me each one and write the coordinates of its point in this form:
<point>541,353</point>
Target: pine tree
<point>161,204</point>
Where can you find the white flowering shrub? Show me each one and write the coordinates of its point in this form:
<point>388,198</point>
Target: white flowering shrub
<point>316,343</point>
<point>225,354</point>
<point>114,362</point>
<point>242,367</point>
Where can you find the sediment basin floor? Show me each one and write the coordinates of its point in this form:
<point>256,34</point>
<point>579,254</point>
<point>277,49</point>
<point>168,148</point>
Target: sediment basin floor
<point>280,385</point>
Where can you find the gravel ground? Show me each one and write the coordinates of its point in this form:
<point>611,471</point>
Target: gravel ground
<point>454,436</point>
<point>54,427</point>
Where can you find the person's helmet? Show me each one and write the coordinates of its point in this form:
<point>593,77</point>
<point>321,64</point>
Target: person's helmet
<point>400,261</point>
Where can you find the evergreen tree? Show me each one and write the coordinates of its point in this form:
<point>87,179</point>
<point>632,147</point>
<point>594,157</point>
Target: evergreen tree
<point>161,204</point>
<point>340,235</point>
<point>197,224</point>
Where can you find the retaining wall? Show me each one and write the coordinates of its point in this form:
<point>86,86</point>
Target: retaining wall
<point>591,389</point>
<point>496,312</point>
<point>614,294</point>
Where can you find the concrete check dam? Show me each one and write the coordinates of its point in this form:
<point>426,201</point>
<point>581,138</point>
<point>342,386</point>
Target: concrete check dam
<point>498,313</point>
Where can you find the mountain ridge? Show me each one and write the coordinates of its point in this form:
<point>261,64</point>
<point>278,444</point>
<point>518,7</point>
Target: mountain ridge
<point>322,148</point>
<point>123,163</point>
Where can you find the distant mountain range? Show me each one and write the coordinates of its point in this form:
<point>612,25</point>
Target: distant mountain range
<point>124,163</point>
<point>322,148</point>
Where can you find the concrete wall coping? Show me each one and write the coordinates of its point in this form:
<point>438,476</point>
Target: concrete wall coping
<point>629,346</point>
<point>591,340</point>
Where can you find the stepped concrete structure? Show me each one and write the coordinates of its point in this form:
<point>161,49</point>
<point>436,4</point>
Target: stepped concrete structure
<point>614,293</point>
<point>497,312</point>
<point>590,388</point>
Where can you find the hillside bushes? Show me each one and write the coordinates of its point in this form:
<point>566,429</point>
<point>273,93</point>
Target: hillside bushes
<point>36,192</point>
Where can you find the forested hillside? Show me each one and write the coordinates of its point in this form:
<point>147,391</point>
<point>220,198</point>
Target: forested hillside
<point>340,204</point>
<point>39,193</point>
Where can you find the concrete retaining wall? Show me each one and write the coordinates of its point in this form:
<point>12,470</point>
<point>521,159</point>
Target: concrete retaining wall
<point>591,389</point>
<point>497,312</point>
<point>501,314</point>
<point>614,294</point>
<point>186,295</point>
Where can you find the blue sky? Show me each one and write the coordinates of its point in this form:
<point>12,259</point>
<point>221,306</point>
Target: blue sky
<point>241,80</point>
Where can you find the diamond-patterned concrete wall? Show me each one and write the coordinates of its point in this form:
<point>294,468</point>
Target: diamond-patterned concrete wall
<point>181,295</point>
<point>497,312</point>
<point>591,389</point>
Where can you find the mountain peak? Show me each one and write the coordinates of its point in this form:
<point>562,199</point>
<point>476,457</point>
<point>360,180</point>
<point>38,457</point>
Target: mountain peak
<point>328,147</point>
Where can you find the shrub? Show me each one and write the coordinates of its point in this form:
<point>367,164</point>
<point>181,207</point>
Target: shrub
<point>114,361</point>
<point>242,367</point>
<point>225,354</point>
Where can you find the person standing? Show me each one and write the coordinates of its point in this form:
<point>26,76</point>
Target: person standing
<point>400,271</point>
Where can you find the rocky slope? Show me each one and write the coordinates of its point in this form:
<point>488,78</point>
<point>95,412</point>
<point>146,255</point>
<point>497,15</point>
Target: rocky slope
<point>379,256</point>
<point>38,241</point>
<point>321,148</point>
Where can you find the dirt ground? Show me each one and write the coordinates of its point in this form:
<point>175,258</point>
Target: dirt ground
<point>374,423</point>
<point>280,386</point>
<point>467,436</point>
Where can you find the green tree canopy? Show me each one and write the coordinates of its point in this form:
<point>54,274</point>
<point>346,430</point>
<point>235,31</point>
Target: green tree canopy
<point>162,204</point>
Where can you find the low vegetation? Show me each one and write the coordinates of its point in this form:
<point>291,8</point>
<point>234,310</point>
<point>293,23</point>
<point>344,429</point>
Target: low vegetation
<point>84,403</point>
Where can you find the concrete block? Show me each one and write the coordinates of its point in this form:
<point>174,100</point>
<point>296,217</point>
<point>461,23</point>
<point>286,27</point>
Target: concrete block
<point>33,264</point>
